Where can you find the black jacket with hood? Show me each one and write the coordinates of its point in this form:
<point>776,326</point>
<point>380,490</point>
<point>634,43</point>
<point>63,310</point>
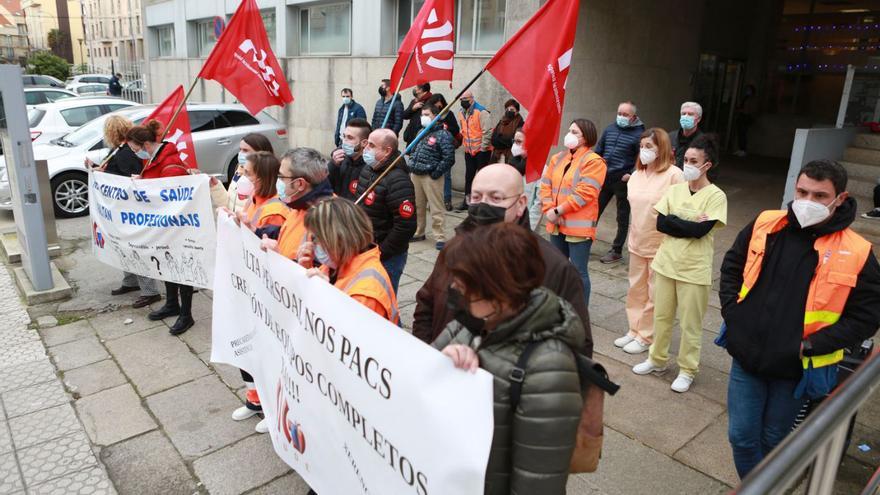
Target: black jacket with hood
<point>390,206</point>
<point>765,330</point>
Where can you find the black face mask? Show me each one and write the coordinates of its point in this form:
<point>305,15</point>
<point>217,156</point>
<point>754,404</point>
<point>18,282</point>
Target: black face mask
<point>455,302</point>
<point>510,114</point>
<point>465,104</point>
<point>383,92</point>
<point>485,214</point>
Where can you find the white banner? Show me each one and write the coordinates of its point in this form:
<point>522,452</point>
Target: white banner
<point>159,228</point>
<point>355,404</point>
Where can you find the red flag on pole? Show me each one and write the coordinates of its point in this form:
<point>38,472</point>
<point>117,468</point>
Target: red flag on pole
<point>243,62</point>
<point>533,65</point>
<point>180,132</point>
<point>431,37</point>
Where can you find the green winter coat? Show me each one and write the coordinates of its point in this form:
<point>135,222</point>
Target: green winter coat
<point>531,450</point>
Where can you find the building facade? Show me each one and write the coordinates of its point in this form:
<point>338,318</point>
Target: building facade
<point>57,26</point>
<point>114,35</point>
<point>657,53</point>
<point>13,33</point>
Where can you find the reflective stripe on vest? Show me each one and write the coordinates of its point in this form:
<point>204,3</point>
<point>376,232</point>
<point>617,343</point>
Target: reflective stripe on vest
<point>275,207</point>
<point>842,255</point>
<point>565,173</point>
<point>376,276</point>
<point>471,132</point>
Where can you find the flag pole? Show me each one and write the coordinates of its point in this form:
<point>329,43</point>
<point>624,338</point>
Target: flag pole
<point>399,83</point>
<point>421,134</point>
<point>177,111</point>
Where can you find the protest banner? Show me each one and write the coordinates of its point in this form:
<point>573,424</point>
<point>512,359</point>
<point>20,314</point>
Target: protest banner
<point>355,404</point>
<point>159,228</point>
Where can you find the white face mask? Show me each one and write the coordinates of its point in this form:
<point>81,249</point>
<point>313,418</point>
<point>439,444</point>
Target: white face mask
<point>426,120</point>
<point>245,188</point>
<point>691,172</point>
<point>516,149</point>
<point>647,156</point>
<point>571,141</point>
<point>809,213</point>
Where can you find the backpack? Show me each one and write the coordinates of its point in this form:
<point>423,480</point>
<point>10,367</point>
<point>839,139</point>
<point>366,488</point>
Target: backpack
<point>594,385</point>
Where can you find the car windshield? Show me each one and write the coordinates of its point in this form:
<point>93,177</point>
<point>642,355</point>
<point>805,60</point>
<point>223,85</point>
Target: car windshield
<point>35,115</point>
<point>93,131</point>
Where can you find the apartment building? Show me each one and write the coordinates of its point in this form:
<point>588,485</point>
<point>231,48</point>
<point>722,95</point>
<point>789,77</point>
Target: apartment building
<point>64,17</point>
<point>114,34</point>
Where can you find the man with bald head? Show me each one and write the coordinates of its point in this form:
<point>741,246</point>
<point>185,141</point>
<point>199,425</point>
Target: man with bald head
<point>391,204</point>
<point>497,196</point>
<point>476,136</point>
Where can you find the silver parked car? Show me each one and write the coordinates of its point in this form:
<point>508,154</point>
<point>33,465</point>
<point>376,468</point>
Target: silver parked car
<point>217,130</point>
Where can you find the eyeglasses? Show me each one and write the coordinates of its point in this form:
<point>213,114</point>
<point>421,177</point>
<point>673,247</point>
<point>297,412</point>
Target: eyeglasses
<point>492,198</point>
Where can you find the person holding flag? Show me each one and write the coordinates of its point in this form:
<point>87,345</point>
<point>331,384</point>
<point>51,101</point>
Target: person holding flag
<point>386,103</point>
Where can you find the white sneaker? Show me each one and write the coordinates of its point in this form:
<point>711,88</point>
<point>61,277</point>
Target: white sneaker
<point>243,413</point>
<point>262,426</point>
<point>636,347</point>
<point>622,341</point>
<point>682,383</point>
<point>647,367</point>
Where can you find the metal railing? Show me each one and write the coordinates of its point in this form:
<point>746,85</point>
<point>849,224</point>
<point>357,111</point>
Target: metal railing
<point>818,443</point>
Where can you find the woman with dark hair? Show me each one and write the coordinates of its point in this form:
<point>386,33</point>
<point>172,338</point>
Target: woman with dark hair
<point>231,197</point>
<point>265,211</point>
<point>570,196</point>
<point>164,161</point>
<point>502,136</point>
<point>499,311</point>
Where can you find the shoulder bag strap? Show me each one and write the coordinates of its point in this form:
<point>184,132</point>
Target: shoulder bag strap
<point>518,373</point>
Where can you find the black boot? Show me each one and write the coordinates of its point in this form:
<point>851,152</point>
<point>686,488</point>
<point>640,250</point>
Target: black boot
<point>169,309</point>
<point>183,323</point>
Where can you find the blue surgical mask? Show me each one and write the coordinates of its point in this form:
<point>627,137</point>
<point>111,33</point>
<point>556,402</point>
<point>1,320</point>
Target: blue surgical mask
<point>346,100</point>
<point>622,121</point>
<point>280,187</point>
<point>687,122</point>
<point>143,154</point>
<point>348,149</point>
<point>369,158</point>
<point>242,157</point>
<point>323,258</point>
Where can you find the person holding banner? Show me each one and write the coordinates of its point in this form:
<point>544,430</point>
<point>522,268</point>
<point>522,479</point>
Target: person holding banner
<point>164,161</point>
<point>498,311</point>
<point>264,212</point>
<point>230,197</point>
<point>304,174</point>
<point>570,189</point>
<point>342,241</point>
<point>123,162</point>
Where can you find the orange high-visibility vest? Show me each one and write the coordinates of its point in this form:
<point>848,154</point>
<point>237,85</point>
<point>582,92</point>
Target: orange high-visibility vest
<point>365,276</point>
<point>842,255</point>
<point>574,180</point>
<point>471,131</point>
<point>260,213</point>
<point>293,234</point>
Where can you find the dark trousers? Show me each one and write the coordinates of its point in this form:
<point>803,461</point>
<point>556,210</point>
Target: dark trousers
<point>186,297</point>
<point>617,189</point>
<point>472,164</point>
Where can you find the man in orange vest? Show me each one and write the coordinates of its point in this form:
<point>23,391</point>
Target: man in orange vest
<point>476,135</point>
<point>797,287</point>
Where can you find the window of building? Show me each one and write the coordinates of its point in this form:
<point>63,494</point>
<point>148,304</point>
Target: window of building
<point>326,29</point>
<point>406,12</point>
<point>22,29</point>
<point>165,41</point>
<point>205,39</point>
<point>114,29</point>
<point>269,22</point>
<point>480,25</point>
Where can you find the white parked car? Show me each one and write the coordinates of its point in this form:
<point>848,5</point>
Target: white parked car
<point>90,89</point>
<point>54,120</point>
<point>37,95</point>
<point>89,79</point>
<point>217,130</point>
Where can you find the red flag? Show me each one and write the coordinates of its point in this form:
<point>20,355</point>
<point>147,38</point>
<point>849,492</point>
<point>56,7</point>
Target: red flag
<point>431,37</point>
<point>243,62</point>
<point>180,132</point>
<point>533,66</point>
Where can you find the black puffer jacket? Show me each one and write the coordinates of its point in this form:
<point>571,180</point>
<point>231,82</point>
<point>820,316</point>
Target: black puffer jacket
<point>390,206</point>
<point>344,177</point>
<point>531,448</point>
<point>434,154</point>
<point>124,162</point>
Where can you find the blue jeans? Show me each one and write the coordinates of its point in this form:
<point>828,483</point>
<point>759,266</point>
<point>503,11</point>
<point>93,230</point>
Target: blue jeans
<point>761,412</point>
<point>447,187</point>
<point>579,255</point>
<point>394,266</point>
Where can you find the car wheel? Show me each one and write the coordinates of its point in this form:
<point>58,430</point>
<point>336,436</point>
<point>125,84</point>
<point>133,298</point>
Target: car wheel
<point>70,195</point>
<point>230,172</point>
